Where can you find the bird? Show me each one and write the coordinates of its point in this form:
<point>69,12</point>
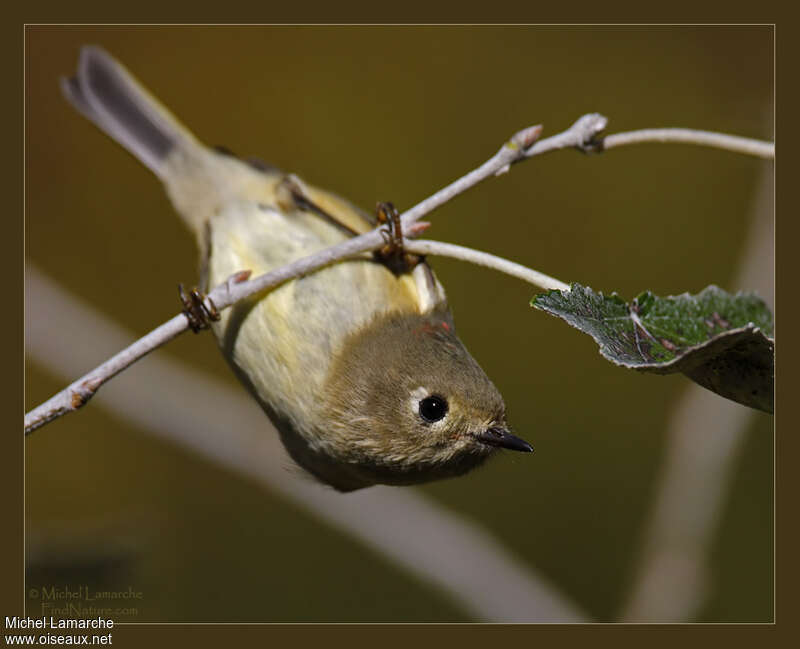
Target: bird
<point>358,365</point>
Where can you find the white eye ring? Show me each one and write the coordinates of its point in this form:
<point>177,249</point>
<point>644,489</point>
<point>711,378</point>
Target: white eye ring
<point>419,393</point>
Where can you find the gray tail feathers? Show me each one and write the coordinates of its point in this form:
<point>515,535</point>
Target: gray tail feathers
<point>105,92</point>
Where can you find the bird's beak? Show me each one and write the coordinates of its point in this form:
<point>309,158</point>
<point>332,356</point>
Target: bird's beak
<point>496,436</point>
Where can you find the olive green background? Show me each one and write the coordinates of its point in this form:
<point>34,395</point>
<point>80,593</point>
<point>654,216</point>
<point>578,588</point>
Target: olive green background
<point>394,113</point>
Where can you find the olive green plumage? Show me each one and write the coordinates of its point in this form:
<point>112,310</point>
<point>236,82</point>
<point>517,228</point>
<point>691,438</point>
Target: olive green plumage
<point>357,366</point>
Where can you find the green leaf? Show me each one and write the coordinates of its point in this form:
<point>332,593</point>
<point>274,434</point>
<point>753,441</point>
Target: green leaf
<point>719,340</point>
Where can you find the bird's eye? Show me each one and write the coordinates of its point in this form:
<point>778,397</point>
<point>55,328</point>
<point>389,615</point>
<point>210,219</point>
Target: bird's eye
<point>433,408</point>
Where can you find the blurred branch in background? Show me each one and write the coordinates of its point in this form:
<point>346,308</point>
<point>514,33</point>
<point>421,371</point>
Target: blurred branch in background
<point>226,426</point>
<point>705,436</point>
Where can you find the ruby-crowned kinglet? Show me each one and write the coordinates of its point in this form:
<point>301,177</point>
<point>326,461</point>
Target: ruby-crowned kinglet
<point>358,365</point>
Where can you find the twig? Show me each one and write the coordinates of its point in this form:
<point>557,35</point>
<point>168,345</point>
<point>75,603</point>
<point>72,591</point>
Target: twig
<point>521,146</point>
<point>425,247</point>
<point>733,143</point>
<point>78,393</point>
<point>225,426</point>
<point>582,135</point>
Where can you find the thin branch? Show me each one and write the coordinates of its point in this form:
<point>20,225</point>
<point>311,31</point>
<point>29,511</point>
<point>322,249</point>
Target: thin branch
<point>582,135</point>
<point>222,424</point>
<point>521,146</point>
<point>425,247</point>
<point>733,143</point>
<point>78,393</point>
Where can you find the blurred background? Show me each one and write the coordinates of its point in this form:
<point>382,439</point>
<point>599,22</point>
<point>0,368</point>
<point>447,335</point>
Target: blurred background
<point>394,113</point>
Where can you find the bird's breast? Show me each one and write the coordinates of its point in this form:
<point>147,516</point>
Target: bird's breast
<point>282,344</point>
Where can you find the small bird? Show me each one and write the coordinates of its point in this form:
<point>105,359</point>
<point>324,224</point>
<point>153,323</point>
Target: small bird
<point>358,364</point>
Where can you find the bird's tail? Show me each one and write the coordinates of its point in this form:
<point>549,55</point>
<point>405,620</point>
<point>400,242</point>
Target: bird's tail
<point>107,94</point>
